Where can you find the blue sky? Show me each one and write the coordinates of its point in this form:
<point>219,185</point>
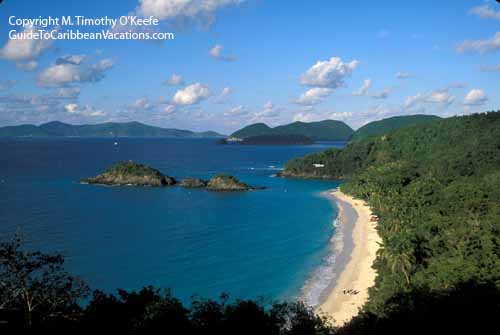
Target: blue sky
<point>242,61</point>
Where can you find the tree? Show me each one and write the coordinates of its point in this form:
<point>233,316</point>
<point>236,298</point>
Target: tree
<point>36,284</point>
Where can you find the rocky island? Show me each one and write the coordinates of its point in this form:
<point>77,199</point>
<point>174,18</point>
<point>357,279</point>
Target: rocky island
<point>224,183</point>
<point>136,174</point>
<point>131,173</point>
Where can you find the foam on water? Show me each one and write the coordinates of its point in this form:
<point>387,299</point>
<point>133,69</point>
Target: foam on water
<point>323,278</point>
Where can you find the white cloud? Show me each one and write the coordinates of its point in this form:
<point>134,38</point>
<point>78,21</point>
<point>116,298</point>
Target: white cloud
<point>314,96</point>
<point>312,116</point>
<point>175,80</point>
<point>475,97</point>
<point>64,74</point>
<point>191,94</point>
<point>7,84</point>
<point>404,75</point>
<point>363,90</point>
<point>141,104</point>
<point>382,94</point>
<point>480,46</point>
<point>71,59</point>
<point>413,100</point>
<point>23,49</point>
<point>330,73</point>
<point>169,109</point>
<point>485,12</point>
<point>27,66</point>
<point>236,111</point>
<point>216,53</point>
<point>71,108</point>
<point>440,97</point>
<point>490,68</point>
<point>224,95</point>
<point>170,9</point>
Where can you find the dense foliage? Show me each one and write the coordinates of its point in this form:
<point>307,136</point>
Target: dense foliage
<point>132,168</point>
<point>37,295</point>
<point>381,127</point>
<point>436,190</point>
<point>327,130</point>
<point>108,129</point>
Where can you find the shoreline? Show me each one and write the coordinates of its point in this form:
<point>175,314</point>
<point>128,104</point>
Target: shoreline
<point>354,262</point>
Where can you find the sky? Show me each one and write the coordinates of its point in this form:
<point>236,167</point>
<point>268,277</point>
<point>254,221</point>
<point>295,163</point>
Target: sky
<point>223,64</point>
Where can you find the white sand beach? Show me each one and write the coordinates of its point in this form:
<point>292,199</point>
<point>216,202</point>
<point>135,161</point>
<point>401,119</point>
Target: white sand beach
<point>350,292</point>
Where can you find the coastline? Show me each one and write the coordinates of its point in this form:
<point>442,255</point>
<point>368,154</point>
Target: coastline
<point>355,272</point>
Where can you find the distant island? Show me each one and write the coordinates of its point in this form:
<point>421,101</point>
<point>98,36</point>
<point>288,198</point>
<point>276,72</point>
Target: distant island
<point>381,127</point>
<point>135,174</point>
<point>269,140</point>
<point>326,130</point>
<point>108,129</point>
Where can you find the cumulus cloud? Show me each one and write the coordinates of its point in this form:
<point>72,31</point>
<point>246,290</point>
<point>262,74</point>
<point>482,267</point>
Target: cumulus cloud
<point>71,108</point>
<point>328,74</point>
<point>440,97</point>
<point>480,46</point>
<point>314,96</point>
<point>27,66</point>
<point>216,53</point>
<point>475,97</point>
<point>191,94</point>
<point>382,94</point>
<point>64,74</point>
<point>485,12</point>
<point>404,75</point>
<point>363,90</point>
<point>175,80</point>
<point>7,84</point>
<point>171,9</point>
<point>25,49</point>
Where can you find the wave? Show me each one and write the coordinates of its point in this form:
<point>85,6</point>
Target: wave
<point>324,276</point>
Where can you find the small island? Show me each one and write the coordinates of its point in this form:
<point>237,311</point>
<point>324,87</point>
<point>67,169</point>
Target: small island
<point>225,183</point>
<point>269,140</point>
<point>131,173</point>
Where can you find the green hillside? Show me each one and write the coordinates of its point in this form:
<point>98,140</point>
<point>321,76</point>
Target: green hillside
<point>108,129</point>
<point>384,126</point>
<point>436,190</point>
<point>327,130</point>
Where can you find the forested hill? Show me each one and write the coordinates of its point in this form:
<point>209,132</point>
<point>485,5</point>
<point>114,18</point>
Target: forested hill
<point>436,190</point>
<point>108,129</point>
<point>384,126</point>
<point>327,130</point>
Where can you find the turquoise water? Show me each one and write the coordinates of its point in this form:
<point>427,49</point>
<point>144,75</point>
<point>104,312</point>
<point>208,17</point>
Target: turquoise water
<point>260,243</point>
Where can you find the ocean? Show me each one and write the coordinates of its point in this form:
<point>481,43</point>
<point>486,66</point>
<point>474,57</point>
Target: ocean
<point>266,243</point>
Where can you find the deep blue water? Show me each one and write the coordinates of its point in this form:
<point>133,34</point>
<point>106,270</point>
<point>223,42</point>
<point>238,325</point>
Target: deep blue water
<point>259,243</point>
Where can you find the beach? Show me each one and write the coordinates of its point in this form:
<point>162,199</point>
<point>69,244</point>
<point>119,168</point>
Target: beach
<point>349,292</point>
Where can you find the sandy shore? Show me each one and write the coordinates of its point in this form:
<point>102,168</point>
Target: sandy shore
<point>357,273</point>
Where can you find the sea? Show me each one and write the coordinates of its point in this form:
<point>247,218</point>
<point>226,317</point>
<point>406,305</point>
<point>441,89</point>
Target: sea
<point>259,244</point>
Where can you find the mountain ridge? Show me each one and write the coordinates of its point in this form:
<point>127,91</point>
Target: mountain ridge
<point>107,129</point>
<point>326,130</point>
